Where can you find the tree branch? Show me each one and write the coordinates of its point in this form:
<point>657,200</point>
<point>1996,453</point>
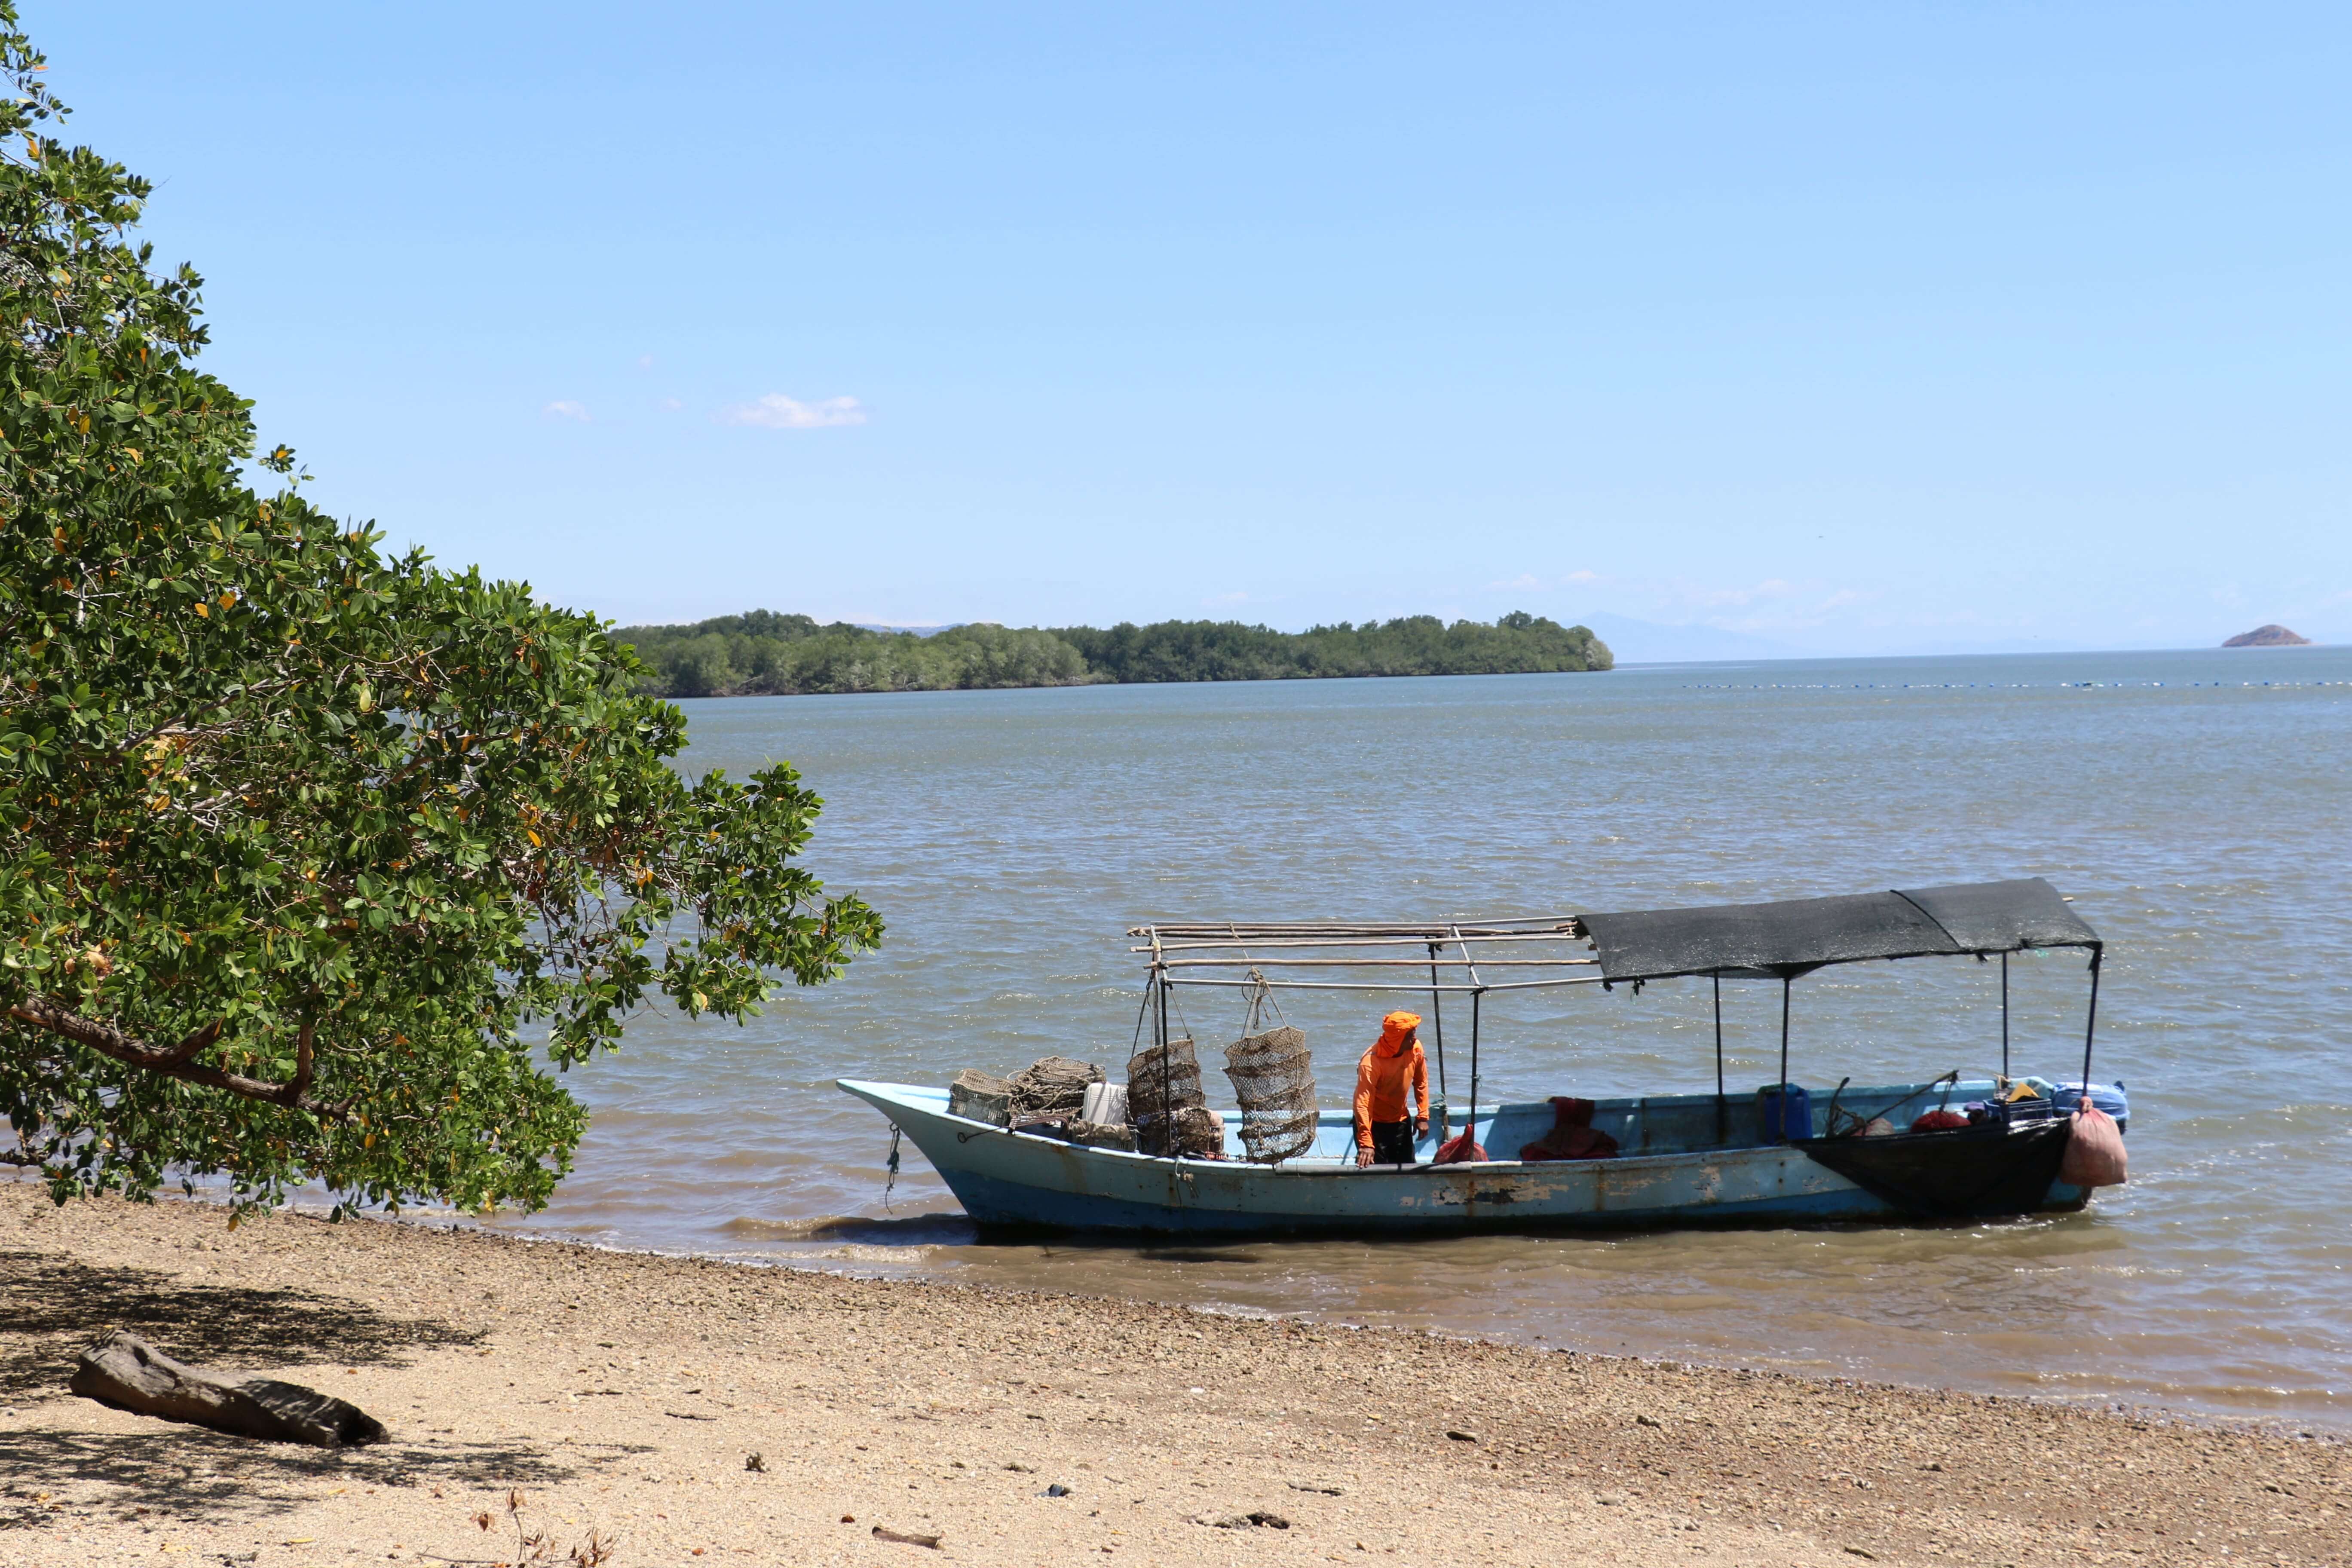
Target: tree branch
<point>176,1061</point>
<point>194,1046</point>
<point>302,1063</point>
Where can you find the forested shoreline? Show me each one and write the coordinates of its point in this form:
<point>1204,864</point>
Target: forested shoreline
<point>766,653</point>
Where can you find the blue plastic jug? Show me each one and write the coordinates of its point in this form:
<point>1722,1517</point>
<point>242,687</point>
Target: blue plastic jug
<point>1787,1110</point>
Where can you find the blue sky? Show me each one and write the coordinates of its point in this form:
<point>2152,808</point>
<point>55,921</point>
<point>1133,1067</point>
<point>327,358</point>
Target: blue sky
<point>1878,328</point>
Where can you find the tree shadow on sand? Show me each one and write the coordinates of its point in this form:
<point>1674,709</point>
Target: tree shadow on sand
<point>190,1474</point>
<point>50,1309</point>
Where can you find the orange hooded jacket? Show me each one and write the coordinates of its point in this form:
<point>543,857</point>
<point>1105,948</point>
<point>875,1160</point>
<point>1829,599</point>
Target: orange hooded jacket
<point>1385,1072</point>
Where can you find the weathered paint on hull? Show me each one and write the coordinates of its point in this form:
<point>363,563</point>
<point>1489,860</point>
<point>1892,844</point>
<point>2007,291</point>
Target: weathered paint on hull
<point>1013,1179</point>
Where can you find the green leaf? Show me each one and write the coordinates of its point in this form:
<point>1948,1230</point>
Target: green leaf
<point>467,875</point>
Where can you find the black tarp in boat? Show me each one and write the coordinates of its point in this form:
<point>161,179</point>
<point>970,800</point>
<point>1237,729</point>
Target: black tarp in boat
<point>1973,1171</point>
<point>1788,938</point>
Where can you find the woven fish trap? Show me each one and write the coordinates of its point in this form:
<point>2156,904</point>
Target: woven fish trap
<point>1164,1082</point>
<point>1274,1082</point>
<point>1052,1086</point>
<point>1200,1133</point>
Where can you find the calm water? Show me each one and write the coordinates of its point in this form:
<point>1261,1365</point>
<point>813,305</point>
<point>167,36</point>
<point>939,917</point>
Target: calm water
<point>2195,804</point>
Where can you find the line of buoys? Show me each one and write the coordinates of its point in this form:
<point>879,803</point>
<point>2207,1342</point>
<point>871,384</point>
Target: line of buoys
<point>2013,686</point>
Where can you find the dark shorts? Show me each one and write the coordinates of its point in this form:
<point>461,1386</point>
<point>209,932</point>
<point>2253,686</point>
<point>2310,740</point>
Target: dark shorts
<point>1392,1143</point>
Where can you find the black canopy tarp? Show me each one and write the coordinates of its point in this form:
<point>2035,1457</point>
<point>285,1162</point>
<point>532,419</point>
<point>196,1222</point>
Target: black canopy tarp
<point>1781,940</point>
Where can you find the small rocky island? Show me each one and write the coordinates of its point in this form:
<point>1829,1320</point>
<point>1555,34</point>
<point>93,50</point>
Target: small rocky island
<point>2272,636</point>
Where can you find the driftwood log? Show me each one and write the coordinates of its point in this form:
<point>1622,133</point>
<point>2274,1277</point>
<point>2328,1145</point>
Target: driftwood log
<point>126,1371</point>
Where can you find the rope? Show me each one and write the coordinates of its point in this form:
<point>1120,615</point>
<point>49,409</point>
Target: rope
<point>1257,995</point>
<point>1949,1081</point>
<point>1257,991</point>
<point>1183,1022</point>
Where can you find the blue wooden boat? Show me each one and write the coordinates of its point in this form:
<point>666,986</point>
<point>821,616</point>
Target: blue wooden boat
<point>1784,1154</point>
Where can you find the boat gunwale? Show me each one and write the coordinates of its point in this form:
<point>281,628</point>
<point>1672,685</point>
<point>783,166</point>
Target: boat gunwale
<point>1336,1168</point>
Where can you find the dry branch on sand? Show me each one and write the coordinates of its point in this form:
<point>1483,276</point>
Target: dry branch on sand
<point>126,1371</point>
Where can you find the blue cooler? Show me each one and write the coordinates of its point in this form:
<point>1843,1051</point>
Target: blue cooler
<point>2107,1097</point>
<point>1785,1110</point>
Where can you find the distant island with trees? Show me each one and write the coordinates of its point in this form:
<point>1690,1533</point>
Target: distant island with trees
<point>766,653</point>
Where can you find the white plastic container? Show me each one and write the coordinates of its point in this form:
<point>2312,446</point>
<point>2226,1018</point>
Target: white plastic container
<point>1105,1104</point>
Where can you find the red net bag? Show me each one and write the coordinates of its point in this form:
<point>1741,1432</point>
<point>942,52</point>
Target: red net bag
<point>2094,1151</point>
<point>1460,1150</point>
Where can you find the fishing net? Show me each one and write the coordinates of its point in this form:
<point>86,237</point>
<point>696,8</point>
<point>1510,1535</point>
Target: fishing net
<point>1163,1086</point>
<point>1200,1133</point>
<point>983,1097</point>
<point>1052,1086</point>
<point>1276,1085</point>
<point>1099,1134</point>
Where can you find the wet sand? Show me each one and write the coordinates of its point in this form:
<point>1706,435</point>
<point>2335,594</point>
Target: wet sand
<point>623,1394</point>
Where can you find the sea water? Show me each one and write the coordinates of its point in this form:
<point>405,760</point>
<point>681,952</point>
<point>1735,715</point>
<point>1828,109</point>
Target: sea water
<point>2197,806</point>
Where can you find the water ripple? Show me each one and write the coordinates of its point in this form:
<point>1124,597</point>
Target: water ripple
<point>2194,801</point>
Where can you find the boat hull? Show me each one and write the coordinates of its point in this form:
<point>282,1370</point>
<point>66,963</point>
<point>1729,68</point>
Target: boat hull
<point>1008,1179</point>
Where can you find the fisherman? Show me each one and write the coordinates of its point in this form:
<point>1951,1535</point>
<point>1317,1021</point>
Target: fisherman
<point>1385,1132</point>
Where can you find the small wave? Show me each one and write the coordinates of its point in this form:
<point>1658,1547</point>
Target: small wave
<point>855,1252</point>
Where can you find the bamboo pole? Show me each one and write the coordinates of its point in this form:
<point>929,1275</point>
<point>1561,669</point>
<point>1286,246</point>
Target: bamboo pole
<point>1247,962</point>
<point>1414,941</point>
<point>1539,927</point>
<point>1417,988</point>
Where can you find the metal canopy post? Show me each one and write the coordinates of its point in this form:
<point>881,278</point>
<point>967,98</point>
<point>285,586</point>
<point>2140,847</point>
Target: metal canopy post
<point>2091,1021</point>
<point>1437,1026</point>
<point>1470,1120</point>
<point>1784,1058</point>
<point>1722,1107</point>
<point>1477,997</point>
<point>2004,1014</point>
<point>1168,1144</point>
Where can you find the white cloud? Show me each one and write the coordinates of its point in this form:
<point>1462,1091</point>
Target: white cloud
<point>1528,583</point>
<point>671,405</point>
<point>1232,598</point>
<point>564,408</point>
<point>644,362</point>
<point>1771,588</point>
<point>777,412</point>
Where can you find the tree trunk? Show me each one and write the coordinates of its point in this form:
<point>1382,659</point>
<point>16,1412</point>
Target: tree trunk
<point>126,1371</point>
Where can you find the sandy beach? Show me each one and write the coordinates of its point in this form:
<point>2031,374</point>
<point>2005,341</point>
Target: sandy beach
<point>625,1395</point>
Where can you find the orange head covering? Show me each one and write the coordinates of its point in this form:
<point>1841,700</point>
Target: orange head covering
<point>1393,1029</point>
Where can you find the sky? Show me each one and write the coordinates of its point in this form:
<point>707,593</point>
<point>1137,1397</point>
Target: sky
<point>1791,328</point>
